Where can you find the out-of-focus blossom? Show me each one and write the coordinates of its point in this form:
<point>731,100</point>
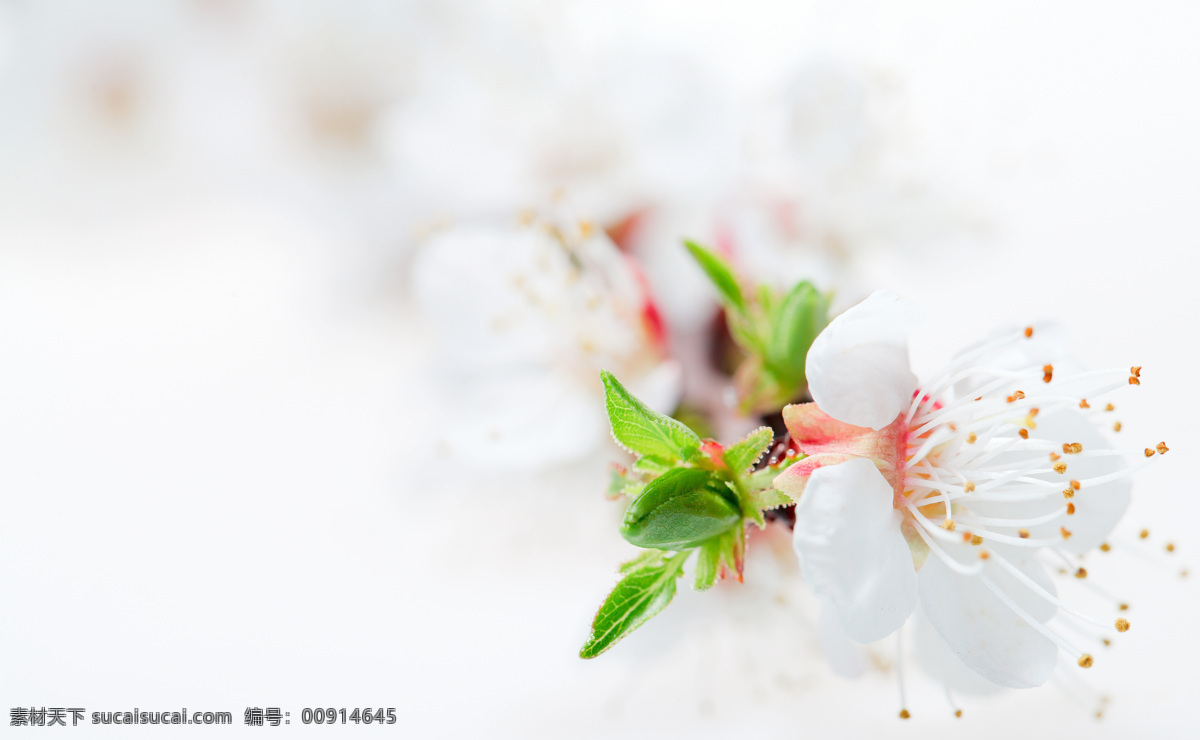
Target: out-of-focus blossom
<point>947,494</point>
<point>524,319</point>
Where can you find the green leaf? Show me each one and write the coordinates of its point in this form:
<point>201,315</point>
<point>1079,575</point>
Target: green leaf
<point>708,562</point>
<point>646,589</point>
<point>802,315</point>
<point>643,431</point>
<point>742,456</point>
<point>721,275</point>
<point>652,464</point>
<point>766,499</point>
<point>680,509</point>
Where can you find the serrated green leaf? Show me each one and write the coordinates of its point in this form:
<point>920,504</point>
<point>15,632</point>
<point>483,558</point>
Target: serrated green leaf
<point>765,478</point>
<point>652,464</point>
<point>742,456</point>
<point>680,509</point>
<point>764,500</point>
<point>708,562</point>
<point>801,316</point>
<point>721,275</point>
<point>646,589</point>
<point>644,558</point>
<point>642,430</point>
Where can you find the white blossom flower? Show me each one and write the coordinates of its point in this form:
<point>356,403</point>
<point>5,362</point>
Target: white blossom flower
<point>948,495</point>
<point>524,319</point>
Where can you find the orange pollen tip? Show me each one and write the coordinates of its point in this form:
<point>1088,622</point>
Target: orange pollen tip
<point>1072,448</point>
<point>1149,452</point>
<point>971,438</point>
<point>1144,534</point>
<point>966,536</point>
<point>1085,661</point>
<point>949,525</point>
<point>958,713</point>
<point>1023,533</point>
<point>1070,508</point>
<point>1162,448</point>
<point>904,714</point>
<point>1075,484</point>
<point>1122,625</point>
<point>1047,373</point>
<point>1028,332</point>
<point>969,486</point>
<point>1105,547</point>
<point>1054,456</point>
<point>1170,547</point>
<point>976,540</point>
<point>1024,433</point>
<point>1081,573</point>
<point>1106,641</point>
<point>1033,412</point>
<point>983,555</point>
<point>1083,404</point>
<point>1060,468</point>
<point>1117,427</point>
<point>1066,533</point>
<point>1016,396</point>
<point>1123,607</point>
<point>1134,381</point>
<point>1136,371</point>
<point>1110,407</point>
<point>1068,493</point>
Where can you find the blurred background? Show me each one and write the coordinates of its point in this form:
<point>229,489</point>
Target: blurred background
<point>297,412</point>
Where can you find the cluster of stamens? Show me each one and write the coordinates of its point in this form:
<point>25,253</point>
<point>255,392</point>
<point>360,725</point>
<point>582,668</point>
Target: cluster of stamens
<point>951,466</point>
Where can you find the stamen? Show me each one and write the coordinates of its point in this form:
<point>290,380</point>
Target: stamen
<point>1050,634</point>
<point>900,673</point>
<point>1122,624</point>
<point>1047,373</point>
<point>1072,448</point>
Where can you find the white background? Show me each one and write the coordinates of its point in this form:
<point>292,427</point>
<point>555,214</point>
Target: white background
<point>217,490</point>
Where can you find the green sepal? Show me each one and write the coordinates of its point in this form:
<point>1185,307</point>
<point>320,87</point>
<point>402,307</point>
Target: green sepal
<point>742,456</point>
<point>765,478</point>
<point>642,430</point>
<point>720,274</point>
<point>646,589</point>
<point>678,510</point>
<point>708,563</point>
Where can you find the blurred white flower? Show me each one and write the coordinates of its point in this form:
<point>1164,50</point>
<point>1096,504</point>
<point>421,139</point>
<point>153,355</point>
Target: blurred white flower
<point>949,494</point>
<point>523,320</point>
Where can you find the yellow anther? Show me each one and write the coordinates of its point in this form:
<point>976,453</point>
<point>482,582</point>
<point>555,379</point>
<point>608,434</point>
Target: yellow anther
<point>904,714</point>
<point>1076,484</point>
<point>976,540</point>
<point>1072,448</point>
<point>1117,426</point>
<point>1028,332</point>
<point>983,555</point>
<point>1070,508</point>
<point>1122,624</point>
<point>1105,547</point>
<point>1144,534</point>
<point>1123,607</point>
<point>1149,452</point>
<point>1162,448</point>
<point>969,486</point>
<point>1047,373</point>
<point>1060,467</point>
<point>958,713</point>
<point>1110,407</point>
<point>971,438</point>
<point>1023,533</point>
<point>1081,573</point>
<point>1055,457</point>
<point>1024,433</point>
<point>949,525</point>
<point>1068,493</point>
<point>1066,533</point>
<point>1083,404</point>
<point>1170,547</point>
<point>1085,661</point>
<point>1016,396</point>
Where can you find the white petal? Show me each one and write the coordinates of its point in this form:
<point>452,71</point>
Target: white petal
<point>845,658</point>
<point>936,659</point>
<point>851,551</point>
<point>985,634</point>
<point>858,369</point>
